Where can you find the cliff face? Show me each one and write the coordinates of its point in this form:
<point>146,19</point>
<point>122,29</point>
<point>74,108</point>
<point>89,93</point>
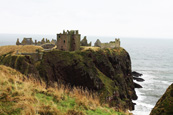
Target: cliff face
<point>107,72</point>
<point>165,103</point>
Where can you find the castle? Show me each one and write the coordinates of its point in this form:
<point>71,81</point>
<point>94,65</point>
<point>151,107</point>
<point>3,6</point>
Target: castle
<point>68,41</point>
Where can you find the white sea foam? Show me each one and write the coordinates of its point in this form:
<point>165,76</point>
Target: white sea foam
<point>166,82</point>
<point>148,95</point>
<point>142,108</point>
<point>141,113</point>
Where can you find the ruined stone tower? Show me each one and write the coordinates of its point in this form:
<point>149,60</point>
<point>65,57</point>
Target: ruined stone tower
<point>17,42</point>
<point>27,41</point>
<point>84,42</point>
<point>98,43</point>
<point>117,42</point>
<point>68,41</point>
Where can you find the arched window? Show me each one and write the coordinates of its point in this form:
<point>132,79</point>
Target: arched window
<point>64,41</point>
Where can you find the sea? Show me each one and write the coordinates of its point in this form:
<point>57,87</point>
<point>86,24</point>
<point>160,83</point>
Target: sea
<point>151,57</point>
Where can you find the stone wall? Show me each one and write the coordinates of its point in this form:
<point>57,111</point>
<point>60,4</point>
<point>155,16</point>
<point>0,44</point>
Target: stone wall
<point>112,44</point>
<point>48,46</point>
<point>107,45</point>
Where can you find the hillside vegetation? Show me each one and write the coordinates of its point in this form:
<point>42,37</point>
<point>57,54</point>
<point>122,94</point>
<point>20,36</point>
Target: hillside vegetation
<point>20,95</point>
<point>19,48</point>
<point>164,106</point>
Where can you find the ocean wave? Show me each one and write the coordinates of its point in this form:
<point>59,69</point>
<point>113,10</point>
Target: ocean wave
<point>142,106</point>
<point>142,109</point>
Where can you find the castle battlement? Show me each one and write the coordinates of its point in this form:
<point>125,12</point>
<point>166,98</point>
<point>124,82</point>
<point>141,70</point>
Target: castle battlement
<point>71,32</point>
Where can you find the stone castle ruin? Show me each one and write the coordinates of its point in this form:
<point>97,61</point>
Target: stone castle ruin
<point>45,43</point>
<point>68,41</point>
<point>112,44</point>
<point>117,43</point>
<point>97,43</point>
<point>25,41</point>
<point>84,42</point>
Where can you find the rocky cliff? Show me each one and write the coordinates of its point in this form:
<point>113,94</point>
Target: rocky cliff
<point>164,106</point>
<point>107,72</point>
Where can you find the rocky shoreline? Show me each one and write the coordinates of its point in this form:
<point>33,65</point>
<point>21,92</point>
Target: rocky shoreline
<point>136,76</point>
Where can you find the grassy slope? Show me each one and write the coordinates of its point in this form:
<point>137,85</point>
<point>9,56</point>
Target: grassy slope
<point>164,106</point>
<point>20,48</point>
<point>21,96</point>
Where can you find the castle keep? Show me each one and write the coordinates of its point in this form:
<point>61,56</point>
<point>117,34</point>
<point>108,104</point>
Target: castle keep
<point>68,41</point>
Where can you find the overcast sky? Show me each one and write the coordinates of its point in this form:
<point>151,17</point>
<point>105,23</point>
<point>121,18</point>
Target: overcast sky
<point>119,18</point>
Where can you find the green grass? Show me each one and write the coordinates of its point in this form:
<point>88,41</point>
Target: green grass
<point>69,103</point>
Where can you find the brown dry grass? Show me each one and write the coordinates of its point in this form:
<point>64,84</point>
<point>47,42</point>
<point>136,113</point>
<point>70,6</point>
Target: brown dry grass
<point>20,48</point>
<point>83,48</point>
<point>16,88</point>
<point>86,98</point>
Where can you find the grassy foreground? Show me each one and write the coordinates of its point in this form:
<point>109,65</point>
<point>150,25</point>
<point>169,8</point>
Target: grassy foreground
<point>19,96</point>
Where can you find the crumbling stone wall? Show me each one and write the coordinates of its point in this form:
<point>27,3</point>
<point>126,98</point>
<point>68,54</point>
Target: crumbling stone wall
<point>108,45</point>
<point>112,44</point>
<point>28,41</point>
<point>97,43</point>
<point>84,42</point>
<point>48,46</point>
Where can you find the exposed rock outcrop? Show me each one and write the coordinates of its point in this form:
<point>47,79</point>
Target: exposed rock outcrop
<point>138,79</point>
<point>164,106</point>
<point>136,74</point>
<point>137,85</point>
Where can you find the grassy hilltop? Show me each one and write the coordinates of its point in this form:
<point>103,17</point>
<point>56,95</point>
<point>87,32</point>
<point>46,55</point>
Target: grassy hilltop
<point>19,48</point>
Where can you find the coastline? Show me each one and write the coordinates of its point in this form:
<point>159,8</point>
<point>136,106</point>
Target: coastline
<point>146,101</point>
